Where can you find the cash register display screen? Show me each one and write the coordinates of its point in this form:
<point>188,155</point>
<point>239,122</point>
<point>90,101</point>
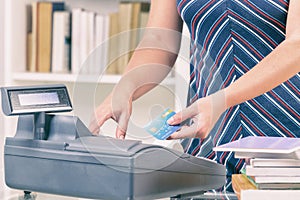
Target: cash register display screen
<point>53,99</point>
<point>38,99</point>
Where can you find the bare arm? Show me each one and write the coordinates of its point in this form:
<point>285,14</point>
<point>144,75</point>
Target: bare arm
<point>149,65</point>
<point>280,65</point>
<point>157,52</point>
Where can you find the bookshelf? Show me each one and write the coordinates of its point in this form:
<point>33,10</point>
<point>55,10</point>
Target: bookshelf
<point>171,93</point>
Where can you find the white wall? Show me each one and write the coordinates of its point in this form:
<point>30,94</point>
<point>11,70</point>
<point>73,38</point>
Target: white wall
<point>1,42</point>
<point>1,84</point>
<point>5,192</point>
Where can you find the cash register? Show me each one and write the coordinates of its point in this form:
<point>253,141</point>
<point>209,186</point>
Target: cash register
<point>57,154</point>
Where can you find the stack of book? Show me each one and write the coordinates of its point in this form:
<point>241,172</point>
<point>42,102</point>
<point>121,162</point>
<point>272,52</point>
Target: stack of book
<point>40,34</point>
<point>273,168</point>
<point>61,39</point>
<point>275,173</point>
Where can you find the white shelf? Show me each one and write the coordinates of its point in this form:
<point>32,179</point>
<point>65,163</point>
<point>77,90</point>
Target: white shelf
<point>73,78</point>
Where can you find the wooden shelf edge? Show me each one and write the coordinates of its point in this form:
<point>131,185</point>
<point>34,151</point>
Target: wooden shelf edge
<point>73,78</point>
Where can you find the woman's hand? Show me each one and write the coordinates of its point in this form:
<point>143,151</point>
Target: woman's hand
<point>203,113</point>
<point>117,107</point>
<point>148,66</point>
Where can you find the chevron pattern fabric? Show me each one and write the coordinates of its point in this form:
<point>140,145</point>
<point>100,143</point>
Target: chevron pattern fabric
<point>228,38</point>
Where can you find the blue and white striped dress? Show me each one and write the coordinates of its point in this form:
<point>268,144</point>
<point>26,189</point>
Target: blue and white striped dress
<point>228,38</point>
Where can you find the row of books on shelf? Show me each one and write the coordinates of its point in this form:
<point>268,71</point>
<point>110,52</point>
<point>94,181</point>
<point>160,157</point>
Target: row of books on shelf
<point>82,41</point>
<point>272,170</point>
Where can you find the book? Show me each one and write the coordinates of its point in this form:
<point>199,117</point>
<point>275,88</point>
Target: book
<point>90,59</point>
<point>113,50</point>
<point>250,178</point>
<point>144,16</point>
<point>101,38</point>
<point>272,171</point>
<point>32,40</point>
<point>87,41</point>
<point>99,29</point>
<point>270,194</point>
<point>277,179</point>
<point>83,42</point>
<point>259,162</point>
<point>105,45</point>
<point>75,40</point>
<point>124,37</point>
<point>240,182</point>
<point>264,147</point>
<point>283,186</point>
<point>135,24</point>
<point>44,33</point>
<point>91,43</point>
<point>61,42</point>
<point>29,59</point>
<point>99,41</point>
<point>246,190</point>
<point>271,179</point>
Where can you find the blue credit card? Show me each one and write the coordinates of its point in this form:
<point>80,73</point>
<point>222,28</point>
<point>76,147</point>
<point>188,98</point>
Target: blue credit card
<point>159,127</point>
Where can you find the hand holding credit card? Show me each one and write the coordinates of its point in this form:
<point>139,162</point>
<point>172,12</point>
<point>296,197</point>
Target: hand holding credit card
<point>159,127</point>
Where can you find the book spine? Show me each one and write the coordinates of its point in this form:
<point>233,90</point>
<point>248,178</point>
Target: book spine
<point>99,39</point>
<point>113,50</point>
<point>90,40</point>
<point>125,20</point>
<point>32,40</point>
<point>75,40</point>
<point>61,44</point>
<point>269,194</point>
<point>274,162</point>
<point>252,171</point>
<point>277,179</point>
<point>83,49</point>
<point>44,34</point>
<point>105,48</point>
